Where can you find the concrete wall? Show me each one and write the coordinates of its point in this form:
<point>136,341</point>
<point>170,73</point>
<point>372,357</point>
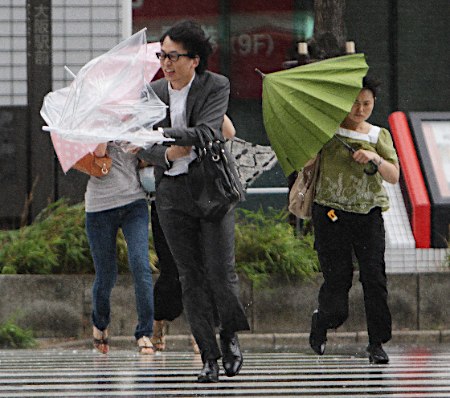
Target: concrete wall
<point>406,44</point>
<point>60,305</point>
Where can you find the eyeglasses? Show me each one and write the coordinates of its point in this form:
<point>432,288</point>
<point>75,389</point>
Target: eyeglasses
<point>173,56</point>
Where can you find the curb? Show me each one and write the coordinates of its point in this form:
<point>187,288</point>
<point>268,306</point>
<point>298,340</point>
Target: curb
<point>263,341</point>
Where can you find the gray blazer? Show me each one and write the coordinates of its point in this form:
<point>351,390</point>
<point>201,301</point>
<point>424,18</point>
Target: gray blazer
<point>206,105</point>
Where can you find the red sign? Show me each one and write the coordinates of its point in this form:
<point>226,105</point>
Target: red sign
<point>258,6</point>
<point>265,49</point>
<point>174,9</point>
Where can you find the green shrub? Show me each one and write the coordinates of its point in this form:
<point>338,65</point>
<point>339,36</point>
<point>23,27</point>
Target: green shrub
<point>6,237</point>
<point>13,336</point>
<point>56,243</point>
<point>266,245</point>
<point>28,255</point>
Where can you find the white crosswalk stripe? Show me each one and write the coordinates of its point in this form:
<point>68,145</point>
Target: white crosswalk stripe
<point>84,373</point>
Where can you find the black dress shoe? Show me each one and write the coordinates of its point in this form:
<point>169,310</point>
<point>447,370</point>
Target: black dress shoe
<point>318,336</point>
<point>376,354</point>
<point>231,355</point>
<point>209,373</point>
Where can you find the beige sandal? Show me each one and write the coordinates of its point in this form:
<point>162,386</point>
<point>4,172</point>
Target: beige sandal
<point>159,335</point>
<point>101,343</point>
<point>195,345</point>
<point>145,346</point>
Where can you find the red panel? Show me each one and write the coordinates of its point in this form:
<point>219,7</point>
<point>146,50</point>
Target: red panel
<point>414,181</point>
<point>262,37</point>
<point>259,6</point>
<point>180,9</point>
<point>265,48</point>
<point>159,15</point>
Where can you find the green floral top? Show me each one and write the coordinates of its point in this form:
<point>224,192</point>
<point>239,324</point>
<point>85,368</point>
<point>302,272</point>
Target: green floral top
<point>342,183</point>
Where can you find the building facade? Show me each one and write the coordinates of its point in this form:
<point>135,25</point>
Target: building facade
<point>405,42</point>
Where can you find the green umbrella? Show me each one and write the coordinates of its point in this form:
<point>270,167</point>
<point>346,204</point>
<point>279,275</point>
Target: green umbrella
<point>303,106</point>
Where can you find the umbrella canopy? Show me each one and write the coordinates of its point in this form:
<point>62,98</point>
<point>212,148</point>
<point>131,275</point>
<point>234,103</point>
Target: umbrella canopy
<point>68,152</point>
<point>303,106</point>
<point>108,100</point>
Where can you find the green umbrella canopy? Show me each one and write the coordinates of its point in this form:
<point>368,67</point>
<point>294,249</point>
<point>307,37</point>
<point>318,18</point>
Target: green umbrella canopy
<point>303,106</point>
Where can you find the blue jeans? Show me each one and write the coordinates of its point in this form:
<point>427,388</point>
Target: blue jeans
<point>102,228</point>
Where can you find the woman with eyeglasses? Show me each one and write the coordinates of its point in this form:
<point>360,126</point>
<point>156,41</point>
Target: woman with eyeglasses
<point>347,221</point>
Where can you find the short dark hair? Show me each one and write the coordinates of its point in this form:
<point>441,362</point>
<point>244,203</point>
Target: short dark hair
<point>191,35</point>
<point>372,84</point>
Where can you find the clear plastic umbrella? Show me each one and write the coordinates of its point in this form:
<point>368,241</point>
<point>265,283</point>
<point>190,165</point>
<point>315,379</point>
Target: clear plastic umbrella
<point>108,100</point>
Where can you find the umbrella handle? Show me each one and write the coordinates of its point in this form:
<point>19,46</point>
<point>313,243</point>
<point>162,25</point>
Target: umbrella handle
<point>371,168</point>
<point>263,75</point>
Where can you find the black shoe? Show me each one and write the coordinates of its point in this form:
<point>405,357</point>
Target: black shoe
<point>376,354</point>
<point>231,355</point>
<point>318,336</point>
<point>209,373</point>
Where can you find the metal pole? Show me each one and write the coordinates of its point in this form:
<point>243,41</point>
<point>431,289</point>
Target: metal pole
<point>42,184</point>
<point>127,19</point>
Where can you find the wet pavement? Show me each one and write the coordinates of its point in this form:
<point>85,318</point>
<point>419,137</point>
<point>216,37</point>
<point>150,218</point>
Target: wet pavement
<point>412,372</point>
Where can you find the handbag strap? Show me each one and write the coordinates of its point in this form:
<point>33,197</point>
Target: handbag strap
<point>209,144</point>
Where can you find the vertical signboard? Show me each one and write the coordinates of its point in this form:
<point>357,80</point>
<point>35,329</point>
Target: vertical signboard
<point>13,160</point>
<point>41,175</point>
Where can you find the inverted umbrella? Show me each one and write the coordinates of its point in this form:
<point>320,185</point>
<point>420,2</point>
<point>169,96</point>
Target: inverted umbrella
<point>68,152</point>
<point>108,100</point>
<point>303,106</point>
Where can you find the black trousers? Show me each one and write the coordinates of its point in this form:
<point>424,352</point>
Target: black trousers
<point>167,290</point>
<point>168,298</point>
<point>335,243</point>
<point>204,255</point>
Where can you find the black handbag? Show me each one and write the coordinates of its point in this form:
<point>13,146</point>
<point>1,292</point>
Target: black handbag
<point>213,180</point>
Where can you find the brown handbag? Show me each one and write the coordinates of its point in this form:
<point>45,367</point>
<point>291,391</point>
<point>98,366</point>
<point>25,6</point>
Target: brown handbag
<point>93,165</point>
<point>302,193</point>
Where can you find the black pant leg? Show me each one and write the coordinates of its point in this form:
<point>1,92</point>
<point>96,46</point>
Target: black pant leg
<point>167,290</point>
<point>218,244</point>
<point>182,233</point>
<point>369,249</point>
<point>334,250</point>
